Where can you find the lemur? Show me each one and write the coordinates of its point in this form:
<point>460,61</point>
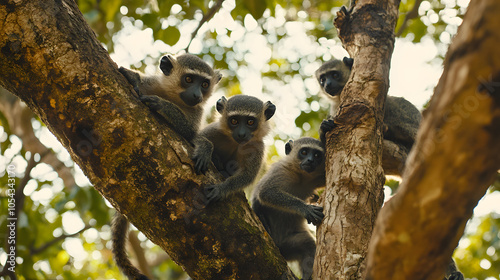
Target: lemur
<point>279,200</point>
<point>177,95</point>
<point>234,144</point>
<point>401,118</point>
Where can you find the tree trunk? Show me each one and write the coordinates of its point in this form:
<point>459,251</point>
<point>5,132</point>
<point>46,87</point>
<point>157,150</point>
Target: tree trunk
<point>354,192</point>
<point>455,158</point>
<point>51,59</point>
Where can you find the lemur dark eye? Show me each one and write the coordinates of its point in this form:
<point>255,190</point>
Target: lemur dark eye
<point>303,152</point>
<point>205,84</point>
<point>336,75</point>
<point>188,79</point>
<point>317,155</point>
<point>322,80</point>
<point>250,122</point>
<point>234,121</point>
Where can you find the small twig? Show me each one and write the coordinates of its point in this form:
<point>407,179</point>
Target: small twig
<point>206,17</point>
<point>40,249</point>
<point>135,243</point>
<point>161,258</point>
<point>409,16</point>
<point>9,273</point>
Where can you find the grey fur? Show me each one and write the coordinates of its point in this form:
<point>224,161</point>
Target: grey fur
<point>401,121</point>
<point>401,118</point>
<point>279,202</point>
<point>238,161</point>
<point>119,229</point>
<point>196,64</point>
<point>452,272</point>
<point>162,93</point>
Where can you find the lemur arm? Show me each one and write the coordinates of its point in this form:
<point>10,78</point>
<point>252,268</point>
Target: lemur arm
<point>452,272</point>
<point>133,78</point>
<point>273,195</point>
<point>171,114</point>
<point>249,165</point>
<point>326,126</point>
<point>202,155</point>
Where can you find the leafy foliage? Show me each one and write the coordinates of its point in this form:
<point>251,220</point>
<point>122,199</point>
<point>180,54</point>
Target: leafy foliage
<point>478,254</point>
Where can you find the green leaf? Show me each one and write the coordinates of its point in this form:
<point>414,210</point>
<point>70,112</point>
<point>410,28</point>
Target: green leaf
<point>393,184</point>
<point>110,8</point>
<point>150,20</point>
<point>256,7</point>
<point>98,208</point>
<point>417,28</point>
<point>165,7</point>
<point>82,199</point>
<point>169,36</point>
<point>202,4</point>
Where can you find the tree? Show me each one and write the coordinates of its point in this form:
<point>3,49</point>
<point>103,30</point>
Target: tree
<point>78,77</point>
<point>460,136</point>
<point>62,73</point>
<point>354,192</point>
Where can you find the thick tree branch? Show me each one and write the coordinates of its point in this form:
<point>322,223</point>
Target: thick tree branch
<point>51,59</point>
<point>355,178</point>
<point>453,162</point>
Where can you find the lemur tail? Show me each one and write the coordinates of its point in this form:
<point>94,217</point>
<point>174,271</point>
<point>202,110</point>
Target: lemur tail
<point>119,230</point>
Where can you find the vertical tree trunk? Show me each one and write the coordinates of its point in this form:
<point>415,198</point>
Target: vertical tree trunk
<point>455,159</point>
<point>355,178</point>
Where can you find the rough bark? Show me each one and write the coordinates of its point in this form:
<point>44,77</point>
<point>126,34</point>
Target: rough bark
<point>51,59</point>
<point>355,178</point>
<point>455,158</point>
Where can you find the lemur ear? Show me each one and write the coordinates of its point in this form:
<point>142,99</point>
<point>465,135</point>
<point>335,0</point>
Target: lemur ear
<point>288,147</point>
<point>166,64</point>
<point>348,62</point>
<point>221,104</point>
<point>218,76</point>
<point>270,110</point>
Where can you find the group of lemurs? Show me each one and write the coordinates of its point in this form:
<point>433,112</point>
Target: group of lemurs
<point>234,144</point>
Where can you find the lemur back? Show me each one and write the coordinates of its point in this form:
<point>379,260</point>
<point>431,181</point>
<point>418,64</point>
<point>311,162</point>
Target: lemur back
<point>401,118</point>
<point>401,121</point>
<point>279,200</point>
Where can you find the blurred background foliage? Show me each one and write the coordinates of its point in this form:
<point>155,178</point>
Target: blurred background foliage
<point>265,48</point>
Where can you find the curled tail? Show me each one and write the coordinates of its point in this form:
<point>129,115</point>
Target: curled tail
<point>119,230</point>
